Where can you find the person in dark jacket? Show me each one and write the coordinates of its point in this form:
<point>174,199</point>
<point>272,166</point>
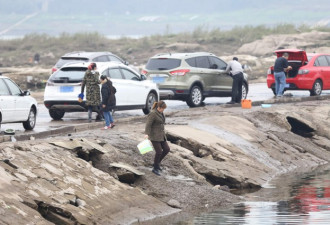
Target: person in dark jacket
<point>155,131</point>
<point>108,101</point>
<point>280,67</point>
<point>93,97</point>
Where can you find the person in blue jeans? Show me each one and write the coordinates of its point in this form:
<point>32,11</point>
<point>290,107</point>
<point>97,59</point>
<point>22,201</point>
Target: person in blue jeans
<point>108,101</point>
<point>280,67</point>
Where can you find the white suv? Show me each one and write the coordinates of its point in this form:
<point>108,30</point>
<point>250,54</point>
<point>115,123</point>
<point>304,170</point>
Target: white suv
<point>16,106</point>
<point>64,86</point>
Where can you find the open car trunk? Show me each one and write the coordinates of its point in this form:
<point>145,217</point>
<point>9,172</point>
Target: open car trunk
<point>295,68</point>
<point>297,58</point>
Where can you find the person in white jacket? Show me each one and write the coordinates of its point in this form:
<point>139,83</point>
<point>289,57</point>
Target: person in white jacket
<point>236,71</point>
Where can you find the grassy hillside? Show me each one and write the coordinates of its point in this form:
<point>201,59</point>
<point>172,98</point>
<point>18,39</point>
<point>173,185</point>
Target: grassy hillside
<point>18,52</point>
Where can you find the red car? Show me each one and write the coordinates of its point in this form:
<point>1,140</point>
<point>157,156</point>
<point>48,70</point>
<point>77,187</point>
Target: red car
<point>309,71</point>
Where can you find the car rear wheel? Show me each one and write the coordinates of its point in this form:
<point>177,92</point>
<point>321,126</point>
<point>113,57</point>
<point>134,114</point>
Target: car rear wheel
<point>31,121</point>
<point>195,98</point>
<point>56,114</point>
<point>149,103</point>
<point>317,88</point>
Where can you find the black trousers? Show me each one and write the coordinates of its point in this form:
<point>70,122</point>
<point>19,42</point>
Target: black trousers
<point>236,95</point>
<point>162,149</point>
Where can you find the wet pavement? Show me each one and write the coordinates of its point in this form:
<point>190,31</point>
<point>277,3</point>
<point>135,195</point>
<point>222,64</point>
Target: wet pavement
<point>290,199</point>
<point>257,92</point>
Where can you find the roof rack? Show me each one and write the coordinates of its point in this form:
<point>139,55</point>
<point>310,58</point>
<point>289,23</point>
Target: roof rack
<point>74,52</point>
<point>167,53</point>
<point>75,62</point>
<point>204,53</point>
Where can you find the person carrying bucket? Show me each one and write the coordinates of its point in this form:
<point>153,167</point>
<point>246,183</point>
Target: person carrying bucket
<point>155,131</point>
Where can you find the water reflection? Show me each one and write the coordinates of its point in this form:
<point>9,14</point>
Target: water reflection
<point>293,200</point>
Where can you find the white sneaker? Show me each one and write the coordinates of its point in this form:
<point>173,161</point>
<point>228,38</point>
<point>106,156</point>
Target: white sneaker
<point>105,128</point>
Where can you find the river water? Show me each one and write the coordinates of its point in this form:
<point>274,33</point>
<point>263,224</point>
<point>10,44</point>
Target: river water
<point>289,199</point>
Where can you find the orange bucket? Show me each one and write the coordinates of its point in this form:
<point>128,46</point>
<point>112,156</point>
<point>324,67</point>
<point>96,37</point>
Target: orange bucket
<point>246,103</point>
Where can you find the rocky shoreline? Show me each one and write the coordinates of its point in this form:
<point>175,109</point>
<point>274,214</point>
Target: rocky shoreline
<point>98,177</point>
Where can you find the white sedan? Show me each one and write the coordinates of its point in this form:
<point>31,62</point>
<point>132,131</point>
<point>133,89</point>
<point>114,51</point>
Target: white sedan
<point>64,86</point>
<point>16,106</point>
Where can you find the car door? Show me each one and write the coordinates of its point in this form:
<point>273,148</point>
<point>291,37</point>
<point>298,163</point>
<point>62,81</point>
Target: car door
<point>118,82</point>
<point>22,105</point>
<point>327,75</point>
<point>207,74</point>
<point>7,103</point>
<point>324,70</point>
<point>134,88</point>
<point>223,82</point>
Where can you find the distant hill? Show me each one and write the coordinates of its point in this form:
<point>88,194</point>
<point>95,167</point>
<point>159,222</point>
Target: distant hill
<point>145,17</point>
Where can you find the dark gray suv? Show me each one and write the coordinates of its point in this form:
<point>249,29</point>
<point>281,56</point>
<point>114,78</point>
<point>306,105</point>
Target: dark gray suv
<point>191,77</point>
<point>87,57</point>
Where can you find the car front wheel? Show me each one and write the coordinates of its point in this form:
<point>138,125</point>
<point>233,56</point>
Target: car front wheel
<point>317,88</point>
<point>56,114</point>
<point>31,121</point>
<point>149,103</point>
<point>244,90</point>
<point>195,98</point>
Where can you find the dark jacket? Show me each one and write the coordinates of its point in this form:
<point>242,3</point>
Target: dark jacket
<point>280,64</point>
<point>108,96</point>
<point>155,126</point>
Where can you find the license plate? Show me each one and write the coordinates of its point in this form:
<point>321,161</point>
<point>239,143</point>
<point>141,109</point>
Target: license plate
<point>158,80</point>
<point>66,89</point>
<point>287,85</point>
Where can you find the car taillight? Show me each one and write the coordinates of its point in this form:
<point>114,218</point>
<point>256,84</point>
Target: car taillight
<point>144,72</point>
<point>303,72</point>
<point>53,69</point>
<point>179,72</point>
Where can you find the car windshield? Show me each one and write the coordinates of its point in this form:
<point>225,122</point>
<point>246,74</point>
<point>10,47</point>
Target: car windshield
<point>163,64</point>
<point>69,75</point>
<point>66,60</point>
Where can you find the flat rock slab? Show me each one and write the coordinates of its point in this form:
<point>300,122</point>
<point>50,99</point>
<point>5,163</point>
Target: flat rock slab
<point>80,143</point>
<point>127,167</point>
<point>93,145</point>
<point>71,145</point>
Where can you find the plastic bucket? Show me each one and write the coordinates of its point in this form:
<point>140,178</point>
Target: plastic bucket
<point>145,146</point>
<point>246,103</point>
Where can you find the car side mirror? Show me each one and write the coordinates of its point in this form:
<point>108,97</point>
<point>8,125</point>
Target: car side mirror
<point>214,66</point>
<point>126,63</point>
<point>143,77</point>
<point>27,93</point>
